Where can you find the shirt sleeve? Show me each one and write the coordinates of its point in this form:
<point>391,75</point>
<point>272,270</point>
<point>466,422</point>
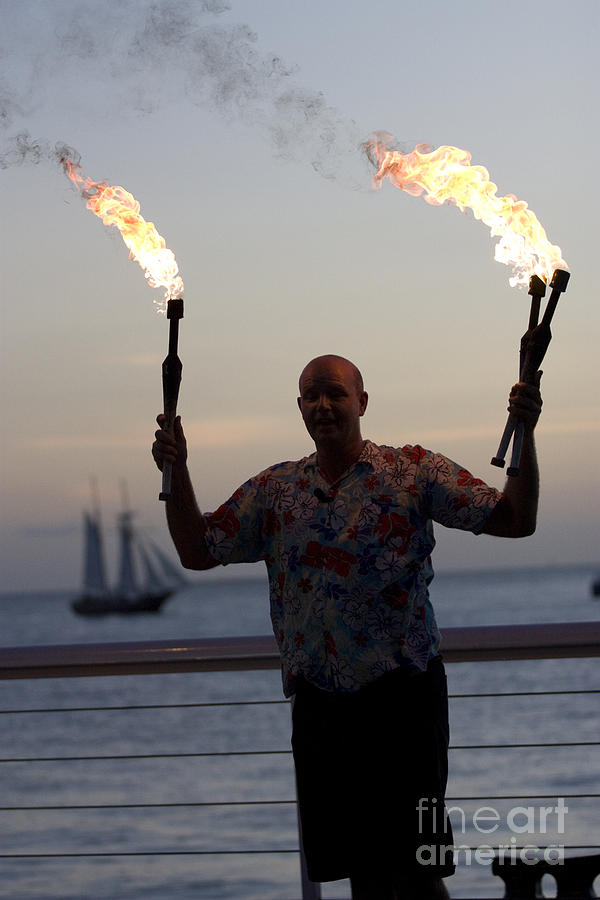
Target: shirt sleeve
<point>234,531</point>
<point>453,497</point>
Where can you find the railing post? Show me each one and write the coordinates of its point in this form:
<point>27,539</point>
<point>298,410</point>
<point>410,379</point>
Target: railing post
<point>521,881</point>
<point>574,877</point>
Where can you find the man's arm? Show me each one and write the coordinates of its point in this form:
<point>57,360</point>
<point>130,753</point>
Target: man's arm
<point>515,514</point>
<point>186,523</point>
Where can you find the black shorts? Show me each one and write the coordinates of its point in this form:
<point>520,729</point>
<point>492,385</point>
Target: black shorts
<point>371,772</point>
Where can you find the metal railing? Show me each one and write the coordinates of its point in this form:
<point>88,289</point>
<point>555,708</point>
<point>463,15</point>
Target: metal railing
<point>485,643</point>
<point>475,644</point>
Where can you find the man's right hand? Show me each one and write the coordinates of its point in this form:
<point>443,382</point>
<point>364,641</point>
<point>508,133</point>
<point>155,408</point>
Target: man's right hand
<point>186,522</point>
<point>169,447</point>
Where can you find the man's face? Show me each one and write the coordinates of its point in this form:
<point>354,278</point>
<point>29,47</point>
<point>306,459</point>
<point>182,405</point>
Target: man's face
<point>331,403</point>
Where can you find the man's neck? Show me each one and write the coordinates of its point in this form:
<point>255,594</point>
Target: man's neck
<point>334,461</point>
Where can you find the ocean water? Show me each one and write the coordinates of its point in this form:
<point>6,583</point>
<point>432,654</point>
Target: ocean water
<point>173,833</point>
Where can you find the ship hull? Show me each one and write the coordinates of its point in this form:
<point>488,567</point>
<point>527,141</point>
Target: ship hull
<point>103,606</point>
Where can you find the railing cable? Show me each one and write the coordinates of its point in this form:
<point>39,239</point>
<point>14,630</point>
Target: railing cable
<point>281,702</point>
<point>177,805</point>
<point>123,756</point>
<point>215,803</point>
<point>524,693</point>
<point>273,851</point>
<point>212,703</point>
<point>221,753</point>
<point>523,746</point>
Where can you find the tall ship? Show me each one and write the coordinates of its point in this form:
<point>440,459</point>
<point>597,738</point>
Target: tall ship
<point>146,575</point>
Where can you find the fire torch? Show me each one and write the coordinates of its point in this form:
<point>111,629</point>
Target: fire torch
<point>116,206</point>
<point>534,344</point>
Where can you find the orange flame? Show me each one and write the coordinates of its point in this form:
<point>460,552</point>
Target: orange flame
<point>447,176</point>
<point>116,206</point>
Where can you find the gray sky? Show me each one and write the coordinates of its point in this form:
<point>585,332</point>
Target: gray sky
<point>237,130</point>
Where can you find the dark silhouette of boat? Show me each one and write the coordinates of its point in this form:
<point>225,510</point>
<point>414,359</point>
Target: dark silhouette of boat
<point>131,594</point>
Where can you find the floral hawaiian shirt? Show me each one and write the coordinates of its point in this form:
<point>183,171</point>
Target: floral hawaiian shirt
<point>349,566</point>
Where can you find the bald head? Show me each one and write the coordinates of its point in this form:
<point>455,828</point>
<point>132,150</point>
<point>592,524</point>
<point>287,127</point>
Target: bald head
<point>332,400</point>
<point>331,361</point>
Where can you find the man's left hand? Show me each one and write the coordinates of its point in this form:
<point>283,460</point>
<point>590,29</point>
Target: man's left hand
<point>525,402</point>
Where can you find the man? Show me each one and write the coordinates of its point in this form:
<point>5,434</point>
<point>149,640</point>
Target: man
<point>346,534</point>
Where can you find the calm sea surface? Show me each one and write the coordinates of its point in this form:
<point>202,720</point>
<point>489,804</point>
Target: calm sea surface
<point>174,833</point>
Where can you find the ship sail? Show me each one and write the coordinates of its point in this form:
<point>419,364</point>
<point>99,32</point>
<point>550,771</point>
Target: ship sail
<point>172,573</point>
<point>154,582</point>
<point>161,577</point>
<point>94,571</point>
<point>127,587</point>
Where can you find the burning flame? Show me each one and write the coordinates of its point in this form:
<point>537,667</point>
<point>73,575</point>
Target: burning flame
<point>447,176</point>
<point>116,206</point>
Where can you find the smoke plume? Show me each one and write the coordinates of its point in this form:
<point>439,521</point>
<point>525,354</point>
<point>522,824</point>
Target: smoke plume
<point>23,149</point>
<point>142,54</point>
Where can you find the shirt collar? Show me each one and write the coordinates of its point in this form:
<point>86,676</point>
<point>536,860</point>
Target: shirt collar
<point>370,456</point>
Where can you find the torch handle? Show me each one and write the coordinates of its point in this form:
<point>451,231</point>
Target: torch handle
<point>170,411</point>
<point>537,289</point>
<point>517,449</point>
<point>167,473</point>
<point>171,379</point>
<point>535,350</point>
<point>498,459</point>
<point>534,344</point>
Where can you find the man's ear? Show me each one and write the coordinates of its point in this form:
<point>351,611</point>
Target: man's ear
<point>363,399</point>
